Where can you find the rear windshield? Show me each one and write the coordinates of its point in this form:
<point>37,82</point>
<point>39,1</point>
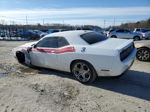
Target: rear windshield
<point>93,37</point>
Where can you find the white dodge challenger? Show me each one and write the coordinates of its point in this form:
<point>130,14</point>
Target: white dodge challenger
<point>86,54</point>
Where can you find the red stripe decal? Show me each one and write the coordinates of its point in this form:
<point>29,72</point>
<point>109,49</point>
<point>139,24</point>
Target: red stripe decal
<point>55,51</point>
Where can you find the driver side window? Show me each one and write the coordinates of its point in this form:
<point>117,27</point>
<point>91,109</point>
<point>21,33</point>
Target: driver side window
<point>49,42</point>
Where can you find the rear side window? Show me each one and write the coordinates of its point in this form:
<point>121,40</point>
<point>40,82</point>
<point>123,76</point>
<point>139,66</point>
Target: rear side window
<point>145,30</point>
<point>93,37</point>
<point>137,29</point>
<point>127,31</point>
<point>120,31</point>
<point>62,42</point>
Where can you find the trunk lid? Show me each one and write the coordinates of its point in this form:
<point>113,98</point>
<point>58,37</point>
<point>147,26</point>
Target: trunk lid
<point>114,44</point>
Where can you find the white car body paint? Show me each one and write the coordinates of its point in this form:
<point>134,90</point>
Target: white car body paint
<point>104,55</point>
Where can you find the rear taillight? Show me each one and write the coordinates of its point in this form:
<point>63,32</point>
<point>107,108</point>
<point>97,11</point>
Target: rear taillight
<point>108,33</point>
<point>125,53</point>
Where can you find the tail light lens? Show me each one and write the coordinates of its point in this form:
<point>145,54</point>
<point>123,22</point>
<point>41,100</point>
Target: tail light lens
<point>125,53</point>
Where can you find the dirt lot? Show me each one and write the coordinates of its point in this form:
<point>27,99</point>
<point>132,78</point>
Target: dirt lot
<point>24,89</point>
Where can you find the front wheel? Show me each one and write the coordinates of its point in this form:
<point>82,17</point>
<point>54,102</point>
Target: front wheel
<point>83,72</point>
<point>143,54</point>
<point>21,57</point>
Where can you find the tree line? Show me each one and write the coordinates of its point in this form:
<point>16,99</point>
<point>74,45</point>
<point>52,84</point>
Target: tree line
<point>46,27</point>
<point>138,24</point>
<point>129,25</point>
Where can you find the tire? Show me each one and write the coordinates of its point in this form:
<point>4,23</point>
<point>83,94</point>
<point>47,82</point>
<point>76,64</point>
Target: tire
<point>83,72</point>
<point>113,36</point>
<point>143,54</point>
<point>136,38</point>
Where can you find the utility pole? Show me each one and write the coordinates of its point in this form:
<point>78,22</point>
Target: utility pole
<point>63,24</point>
<point>43,22</point>
<point>2,21</point>
<point>13,22</point>
<point>104,23</point>
<point>114,21</point>
<point>26,20</point>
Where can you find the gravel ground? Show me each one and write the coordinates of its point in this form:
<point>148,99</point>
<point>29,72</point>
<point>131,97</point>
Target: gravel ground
<point>24,89</point>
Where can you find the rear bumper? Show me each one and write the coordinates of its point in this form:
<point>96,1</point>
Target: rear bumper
<point>123,65</point>
<point>119,67</point>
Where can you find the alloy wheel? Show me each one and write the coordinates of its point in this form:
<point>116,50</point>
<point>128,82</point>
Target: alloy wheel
<point>143,55</point>
<point>82,72</point>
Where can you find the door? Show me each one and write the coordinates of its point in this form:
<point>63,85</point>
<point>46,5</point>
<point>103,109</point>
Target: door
<point>123,33</point>
<point>43,54</point>
<point>128,34</point>
<point>64,54</point>
<point>120,33</point>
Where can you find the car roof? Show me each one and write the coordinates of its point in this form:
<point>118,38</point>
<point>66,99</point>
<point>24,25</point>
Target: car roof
<point>73,37</point>
<point>66,33</point>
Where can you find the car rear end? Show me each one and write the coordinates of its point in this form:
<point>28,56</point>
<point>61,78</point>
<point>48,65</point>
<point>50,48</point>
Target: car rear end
<point>109,32</point>
<point>146,35</point>
<point>124,60</point>
<point>115,56</point>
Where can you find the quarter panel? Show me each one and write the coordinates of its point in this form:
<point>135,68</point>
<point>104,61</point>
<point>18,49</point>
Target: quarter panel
<point>100,59</point>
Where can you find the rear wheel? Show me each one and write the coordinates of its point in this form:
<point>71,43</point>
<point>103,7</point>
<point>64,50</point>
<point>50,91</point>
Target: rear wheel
<point>143,54</point>
<point>113,36</point>
<point>83,72</point>
<point>136,38</point>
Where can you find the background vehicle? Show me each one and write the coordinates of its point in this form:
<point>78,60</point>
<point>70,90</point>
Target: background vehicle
<point>143,53</point>
<point>29,34</point>
<point>108,32</point>
<point>146,35</point>
<point>86,54</point>
<point>145,32</point>
<point>53,31</point>
<point>141,30</point>
<point>125,34</point>
<point>39,33</point>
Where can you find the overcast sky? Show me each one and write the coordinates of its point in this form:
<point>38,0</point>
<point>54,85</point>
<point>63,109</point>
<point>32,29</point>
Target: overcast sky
<point>75,12</point>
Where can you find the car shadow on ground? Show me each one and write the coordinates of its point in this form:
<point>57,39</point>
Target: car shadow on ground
<point>46,71</point>
<point>133,83</point>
